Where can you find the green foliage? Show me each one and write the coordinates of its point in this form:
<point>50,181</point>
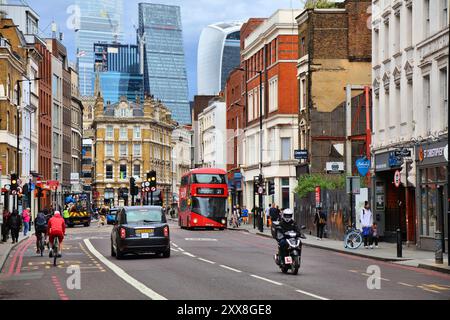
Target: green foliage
<point>319,4</point>
<point>308,183</point>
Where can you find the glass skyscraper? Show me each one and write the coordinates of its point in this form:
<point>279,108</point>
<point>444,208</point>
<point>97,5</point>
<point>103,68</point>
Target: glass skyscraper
<point>100,21</point>
<point>119,71</point>
<point>165,74</point>
<point>218,54</point>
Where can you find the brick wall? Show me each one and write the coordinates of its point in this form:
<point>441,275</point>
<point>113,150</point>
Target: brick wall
<point>359,35</point>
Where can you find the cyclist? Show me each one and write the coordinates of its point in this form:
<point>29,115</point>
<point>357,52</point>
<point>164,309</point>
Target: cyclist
<point>56,228</point>
<point>40,228</point>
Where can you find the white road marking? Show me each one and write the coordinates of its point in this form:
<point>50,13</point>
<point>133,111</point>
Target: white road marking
<point>211,262</point>
<point>174,244</point>
<point>200,239</point>
<point>123,275</point>
<point>265,279</point>
<point>173,249</point>
<point>312,295</point>
<point>189,254</point>
<point>405,284</point>
<point>232,269</point>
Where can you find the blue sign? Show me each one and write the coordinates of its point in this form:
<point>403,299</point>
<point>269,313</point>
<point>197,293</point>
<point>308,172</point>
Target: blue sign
<point>32,186</point>
<point>363,166</point>
<point>394,161</point>
<point>301,154</point>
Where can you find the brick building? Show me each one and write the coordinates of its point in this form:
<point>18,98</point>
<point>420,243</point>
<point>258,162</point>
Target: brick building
<point>334,51</point>
<point>236,120</point>
<point>271,49</point>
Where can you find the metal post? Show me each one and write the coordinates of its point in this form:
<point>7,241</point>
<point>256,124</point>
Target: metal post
<point>348,130</point>
<point>151,198</point>
<point>18,138</point>
<point>261,223</point>
<point>351,202</point>
<point>399,243</point>
<point>254,205</point>
<point>439,256</point>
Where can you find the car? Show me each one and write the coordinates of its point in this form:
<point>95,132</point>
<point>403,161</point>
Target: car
<point>140,229</point>
<point>111,216</point>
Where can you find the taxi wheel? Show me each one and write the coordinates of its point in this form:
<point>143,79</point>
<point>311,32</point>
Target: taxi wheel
<point>119,254</point>
<point>166,254</point>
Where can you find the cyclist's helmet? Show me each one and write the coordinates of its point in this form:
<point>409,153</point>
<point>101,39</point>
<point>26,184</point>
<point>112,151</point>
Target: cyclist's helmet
<point>57,214</point>
<point>288,215</point>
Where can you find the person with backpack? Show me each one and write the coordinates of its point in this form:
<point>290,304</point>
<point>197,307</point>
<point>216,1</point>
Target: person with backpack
<point>14,224</point>
<point>40,228</point>
<point>5,228</point>
<point>320,220</point>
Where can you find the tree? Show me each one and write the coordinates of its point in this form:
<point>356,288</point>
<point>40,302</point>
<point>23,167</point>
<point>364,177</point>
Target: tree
<point>319,4</point>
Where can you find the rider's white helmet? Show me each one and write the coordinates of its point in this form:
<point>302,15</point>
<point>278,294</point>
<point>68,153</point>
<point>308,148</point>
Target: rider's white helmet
<point>288,215</point>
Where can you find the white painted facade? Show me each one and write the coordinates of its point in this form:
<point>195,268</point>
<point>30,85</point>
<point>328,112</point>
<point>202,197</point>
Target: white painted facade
<point>410,66</point>
<point>212,130</point>
<point>181,156</point>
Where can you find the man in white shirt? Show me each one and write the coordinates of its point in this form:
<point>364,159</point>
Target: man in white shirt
<point>366,224</point>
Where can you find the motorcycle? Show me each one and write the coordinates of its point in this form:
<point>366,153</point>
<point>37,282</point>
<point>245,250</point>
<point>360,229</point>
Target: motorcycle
<point>292,260</point>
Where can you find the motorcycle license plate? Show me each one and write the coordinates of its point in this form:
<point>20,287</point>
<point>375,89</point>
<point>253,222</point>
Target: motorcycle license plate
<point>288,260</point>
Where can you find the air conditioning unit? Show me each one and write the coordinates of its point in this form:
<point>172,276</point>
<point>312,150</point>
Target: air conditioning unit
<point>335,167</point>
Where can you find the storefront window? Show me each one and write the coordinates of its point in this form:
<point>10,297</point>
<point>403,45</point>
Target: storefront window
<point>441,174</point>
<point>432,210</point>
<point>431,175</point>
<point>424,202</point>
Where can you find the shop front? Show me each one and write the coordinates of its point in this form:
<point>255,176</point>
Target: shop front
<point>432,193</point>
<point>393,208</point>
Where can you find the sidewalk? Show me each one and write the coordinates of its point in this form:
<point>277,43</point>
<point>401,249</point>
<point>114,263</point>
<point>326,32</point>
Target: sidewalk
<point>385,252</point>
<point>6,247</point>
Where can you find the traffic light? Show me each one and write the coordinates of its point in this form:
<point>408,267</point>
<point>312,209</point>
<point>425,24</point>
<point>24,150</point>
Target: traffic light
<point>14,182</point>
<point>133,188</point>
<point>151,177</point>
<point>271,188</point>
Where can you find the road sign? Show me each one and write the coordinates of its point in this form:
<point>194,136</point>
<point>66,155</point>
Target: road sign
<point>147,189</point>
<point>7,187</point>
<point>318,199</point>
<point>363,166</point>
<point>260,190</point>
<point>397,178</point>
<point>353,185</point>
<point>153,189</point>
<point>147,184</point>
<point>301,154</point>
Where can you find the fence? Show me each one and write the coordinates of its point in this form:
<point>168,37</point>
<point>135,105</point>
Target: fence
<point>335,203</point>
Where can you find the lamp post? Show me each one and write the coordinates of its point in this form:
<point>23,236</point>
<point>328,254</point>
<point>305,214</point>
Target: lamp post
<point>260,206</point>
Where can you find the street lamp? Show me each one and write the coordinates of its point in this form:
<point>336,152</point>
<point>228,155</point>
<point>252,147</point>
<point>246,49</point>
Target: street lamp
<point>260,72</point>
<point>18,124</point>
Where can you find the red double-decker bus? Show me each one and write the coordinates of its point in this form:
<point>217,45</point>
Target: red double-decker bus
<point>203,198</point>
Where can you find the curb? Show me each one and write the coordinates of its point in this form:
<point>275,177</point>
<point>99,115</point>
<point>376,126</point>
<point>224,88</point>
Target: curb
<point>5,257</point>
<point>433,268</point>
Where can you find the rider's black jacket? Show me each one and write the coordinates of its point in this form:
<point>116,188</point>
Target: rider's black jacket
<point>285,227</point>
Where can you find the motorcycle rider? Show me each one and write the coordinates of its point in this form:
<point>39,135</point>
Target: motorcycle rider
<point>286,224</point>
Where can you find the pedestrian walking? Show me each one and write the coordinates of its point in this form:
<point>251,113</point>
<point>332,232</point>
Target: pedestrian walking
<point>26,221</point>
<point>366,220</point>
<point>14,224</point>
<point>5,227</point>
<point>273,213</point>
<point>374,235</point>
<point>66,214</point>
<point>244,215</point>
<point>267,214</point>
<point>320,220</point>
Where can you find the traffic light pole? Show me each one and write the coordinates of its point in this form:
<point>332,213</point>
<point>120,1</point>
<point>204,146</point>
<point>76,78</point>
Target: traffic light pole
<point>151,198</point>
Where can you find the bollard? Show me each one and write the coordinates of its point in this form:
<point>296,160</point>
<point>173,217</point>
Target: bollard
<point>399,243</point>
<point>439,258</point>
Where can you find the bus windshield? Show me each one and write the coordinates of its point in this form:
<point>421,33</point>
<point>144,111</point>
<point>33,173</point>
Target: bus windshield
<point>209,207</point>
<point>208,178</point>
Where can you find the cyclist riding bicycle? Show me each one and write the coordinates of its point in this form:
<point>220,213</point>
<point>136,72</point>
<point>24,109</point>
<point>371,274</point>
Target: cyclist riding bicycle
<point>56,228</point>
<point>40,228</point>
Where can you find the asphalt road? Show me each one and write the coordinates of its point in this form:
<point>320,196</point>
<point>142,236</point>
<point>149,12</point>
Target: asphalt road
<point>216,265</point>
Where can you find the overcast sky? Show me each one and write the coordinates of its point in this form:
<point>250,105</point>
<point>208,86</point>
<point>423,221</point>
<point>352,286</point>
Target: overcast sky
<point>196,14</point>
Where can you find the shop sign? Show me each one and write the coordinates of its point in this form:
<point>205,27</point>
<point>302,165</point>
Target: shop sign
<point>433,153</point>
<point>397,178</point>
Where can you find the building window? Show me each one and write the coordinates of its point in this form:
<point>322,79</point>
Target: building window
<point>386,41</point>
<point>123,171</point>
<point>109,171</point>
<point>426,16</point>
<point>109,132</point>
<point>109,195</point>
<point>137,132</point>
<point>285,148</point>
<point>109,149</point>
<point>376,45</point>
<point>444,97</point>
<point>137,171</point>
<point>123,133</point>
<point>137,150</point>
<point>397,44</point>
<point>444,13</point>
<point>285,194</point>
<point>303,94</point>
<point>123,150</point>
<point>409,28</point>
<point>427,103</point>
<point>273,95</point>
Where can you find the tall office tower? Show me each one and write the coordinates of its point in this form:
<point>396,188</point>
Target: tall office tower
<point>99,21</point>
<point>119,71</point>
<point>218,54</point>
<point>165,74</point>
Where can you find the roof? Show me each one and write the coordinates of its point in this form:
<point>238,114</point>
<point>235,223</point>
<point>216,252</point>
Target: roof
<point>207,170</point>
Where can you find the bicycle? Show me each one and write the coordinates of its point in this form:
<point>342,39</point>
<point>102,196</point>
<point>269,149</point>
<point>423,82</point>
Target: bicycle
<point>41,248</point>
<point>353,238</point>
<point>55,250</point>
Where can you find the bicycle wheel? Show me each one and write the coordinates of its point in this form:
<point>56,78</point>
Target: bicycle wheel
<point>55,250</point>
<point>353,240</point>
